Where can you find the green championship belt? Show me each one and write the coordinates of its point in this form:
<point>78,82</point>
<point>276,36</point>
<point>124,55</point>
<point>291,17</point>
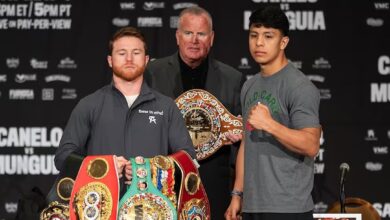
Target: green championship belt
<point>144,200</point>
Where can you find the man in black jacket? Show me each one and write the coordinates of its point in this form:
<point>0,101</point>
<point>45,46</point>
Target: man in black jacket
<point>192,68</point>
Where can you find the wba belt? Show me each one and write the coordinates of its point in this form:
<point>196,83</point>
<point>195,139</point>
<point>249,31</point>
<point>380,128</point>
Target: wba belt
<point>207,120</point>
<point>143,199</point>
<point>192,202</point>
<point>95,192</point>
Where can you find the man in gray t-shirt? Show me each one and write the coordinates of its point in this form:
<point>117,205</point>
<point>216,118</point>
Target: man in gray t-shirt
<point>274,168</point>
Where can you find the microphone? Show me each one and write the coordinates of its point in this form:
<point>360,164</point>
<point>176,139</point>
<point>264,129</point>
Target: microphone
<point>344,168</point>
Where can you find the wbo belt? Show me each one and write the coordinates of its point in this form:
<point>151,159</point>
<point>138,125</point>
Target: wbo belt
<point>95,192</point>
<point>207,121</point>
<point>192,202</point>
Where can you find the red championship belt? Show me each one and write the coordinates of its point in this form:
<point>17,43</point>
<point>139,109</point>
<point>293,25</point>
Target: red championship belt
<point>192,201</point>
<point>207,121</point>
<point>95,192</point>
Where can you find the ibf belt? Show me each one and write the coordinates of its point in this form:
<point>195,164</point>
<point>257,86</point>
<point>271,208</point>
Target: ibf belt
<point>143,200</point>
<point>207,121</point>
<point>95,192</point>
<point>192,202</point>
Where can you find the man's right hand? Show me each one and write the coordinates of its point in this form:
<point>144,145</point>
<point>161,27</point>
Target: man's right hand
<point>234,210</point>
<point>123,166</point>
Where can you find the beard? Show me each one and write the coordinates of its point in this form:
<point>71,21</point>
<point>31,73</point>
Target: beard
<point>128,74</point>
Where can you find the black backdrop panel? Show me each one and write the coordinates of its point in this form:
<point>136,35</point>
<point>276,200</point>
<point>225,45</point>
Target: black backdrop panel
<point>53,52</point>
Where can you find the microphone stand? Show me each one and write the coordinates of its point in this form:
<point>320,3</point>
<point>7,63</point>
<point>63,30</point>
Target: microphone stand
<point>342,197</point>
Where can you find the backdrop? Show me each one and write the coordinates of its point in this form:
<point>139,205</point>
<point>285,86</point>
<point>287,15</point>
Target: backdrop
<point>53,52</point>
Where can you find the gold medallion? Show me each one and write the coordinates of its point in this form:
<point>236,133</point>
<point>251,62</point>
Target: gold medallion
<point>162,162</point>
<point>55,211</point>
<point>98,168</point>
<point>191,183</point>
<point>93,200</point>
<point>64,188</point>
<point>194,209</point>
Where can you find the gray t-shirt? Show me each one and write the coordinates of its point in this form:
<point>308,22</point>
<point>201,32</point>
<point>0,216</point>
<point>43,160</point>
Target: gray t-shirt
<point>275,178</point>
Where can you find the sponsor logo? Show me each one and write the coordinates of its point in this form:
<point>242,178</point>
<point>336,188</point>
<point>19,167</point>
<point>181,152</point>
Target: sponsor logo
<point>383,209</point>
<point>21,78</point>
<point>182,5</point>
<point>149,22</point>
<point>381,5</point>
<point>282,1</point>
<point>321,63</point>
<point>11,207</point>
<point>374,22</point>
<point>244,64</point>
<point>297,64</point>
<point>21,94</point>
<point>371,166</point>
<point>67,63</point>
<point>316,78</point>
<point>370,135</point>
<point>69,93</point>
<point>12,63</point>
<point>173,21</point>
<point>148,6</point>
<point>120,22</point>
<point>325,94</point>
<point>57,77</point>
<point>380,149</point>
<point>3,78</point>
<point>47,94</point>
<point>320,207</point>
<point>388,134</point>
<point>38,64</point>
<point>127,5</point>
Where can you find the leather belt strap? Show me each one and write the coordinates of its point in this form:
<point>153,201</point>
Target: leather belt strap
<point>193,202</point>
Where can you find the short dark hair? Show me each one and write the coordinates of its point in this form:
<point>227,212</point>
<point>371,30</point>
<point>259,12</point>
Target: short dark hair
<point>270,17</point>
<point>127,32</point>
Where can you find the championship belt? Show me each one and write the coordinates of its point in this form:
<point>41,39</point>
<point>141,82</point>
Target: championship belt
<point>207,121</point>
<point>95,192</point>
<point>144,198</point>
<point>192,201</point>
<point>59,195</point>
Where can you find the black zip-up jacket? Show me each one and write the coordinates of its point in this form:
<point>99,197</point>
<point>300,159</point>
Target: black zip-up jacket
<point>103,124</point>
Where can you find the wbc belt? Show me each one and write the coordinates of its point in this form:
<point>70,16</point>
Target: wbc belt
<point>95,192</point>
<point>144,198</point>
<point>192,200</point>
<point>207,121</point>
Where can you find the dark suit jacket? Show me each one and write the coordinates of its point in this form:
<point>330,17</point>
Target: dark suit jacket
<point>224,82</point>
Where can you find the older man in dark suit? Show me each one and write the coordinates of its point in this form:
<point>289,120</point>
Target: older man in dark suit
<point>192,68</point>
